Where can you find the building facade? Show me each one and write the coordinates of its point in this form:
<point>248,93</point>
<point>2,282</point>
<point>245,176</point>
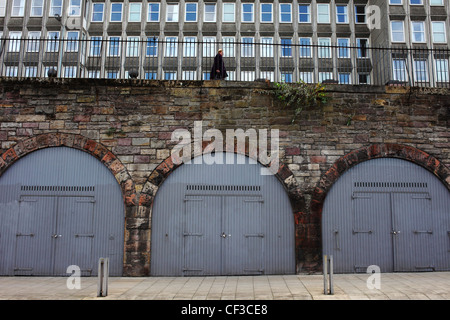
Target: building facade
<point>349,41</point>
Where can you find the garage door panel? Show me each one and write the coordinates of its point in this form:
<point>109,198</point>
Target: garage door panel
<point>33,251</point>
<point>74,234</point>
<point>371,231</point>
<point>244,236</point>
<point>202,236</point>
<point>413,232</point>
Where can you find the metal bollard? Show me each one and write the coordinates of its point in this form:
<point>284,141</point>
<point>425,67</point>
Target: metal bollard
<point>103,274</point>
<point>328,286</point>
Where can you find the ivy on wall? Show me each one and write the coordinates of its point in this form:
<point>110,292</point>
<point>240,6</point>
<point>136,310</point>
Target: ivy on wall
<point>300,95</point>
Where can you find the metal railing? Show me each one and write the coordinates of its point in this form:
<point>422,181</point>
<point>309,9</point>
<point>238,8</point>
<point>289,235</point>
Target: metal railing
<point>151,58</point>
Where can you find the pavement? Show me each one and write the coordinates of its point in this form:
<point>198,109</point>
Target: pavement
<point>383,286</point>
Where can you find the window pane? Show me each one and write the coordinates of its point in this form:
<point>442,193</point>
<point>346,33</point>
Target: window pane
<point>153,12</point>
<point>97,12</point>
<point>266,12</point>
<point>191,12</point>
<point>304,13</point>
<point>228,12</point>
<point>285,13</point>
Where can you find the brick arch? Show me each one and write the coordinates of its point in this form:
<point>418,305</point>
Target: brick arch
<point>284,176</point>
<point>387,150</point>
<point>105,156</point>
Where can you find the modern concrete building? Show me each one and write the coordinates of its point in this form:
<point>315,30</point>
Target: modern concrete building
<point>283,40</point>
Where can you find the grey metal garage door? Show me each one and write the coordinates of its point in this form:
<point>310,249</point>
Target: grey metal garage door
<point>59,207</point>
<point>390,213</point>
<point>222,219</point>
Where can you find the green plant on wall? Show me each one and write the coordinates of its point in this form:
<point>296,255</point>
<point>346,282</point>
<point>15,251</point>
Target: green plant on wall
<point>299,95</point>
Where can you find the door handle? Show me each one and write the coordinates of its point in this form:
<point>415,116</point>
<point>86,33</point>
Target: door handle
<point>223,235</point>
<point>395,232</point>
<point>56,236</point>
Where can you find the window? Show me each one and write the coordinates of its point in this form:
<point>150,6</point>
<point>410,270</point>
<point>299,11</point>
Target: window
<point>415,1</point>
<point>133,46</point>
<point>191,12</point>
<point>37,8</point>
<point>3,7</point>
<point>172,13</point>
<point>113,46</point>
<point>18,8</point>
<point>399,70</point>
<point>170,75</point>
<point>247,47</point>
<point>305,47</point>
<point>269,75</point>
<point>134,14</point>
<point>228,46</point>
<point>153,12</point>
<point>72,41</point>
<point>325,76</point>
<point>286,47</point>
<point>31,71</point>
<point>210,12</point>
<point>14,41</point>
<point>362,45</point>
<point>171,47</point>
<point>97,12</point>
<point>247,75</point>
<point>209,46</point>
<point>304,13</point>
<point>285,13</point>
<point>116,12</point>
<point>70,72</point>
<point>438,29</point>
<point>363,78</point>
<point>190,45</point>
<point>52,41</point>
<point>306,76</point>
<point>286,77</point>
<point>418,31</point>
<point>323,13</point>
<point>344,78</point>
<point>248,12</point>
<point>75,8</point>
<point>152,47</point>
<point>56,8</point>
<point>95,46</point>
<point>11,71</point>
<point>360,14</point>
<point>420,70</point>
<point>343,48</point>
<point>436,2</point>
<point>395,1</point>
<point>228,12</point>
<point>324,47</point>
<point>189,75</point>
<point>150,75</point>
<point>266,47</point>
<point>92,74</point>
<point>441,70</point>
<point>397,31</point>
<point>33,41</point>
<point>341,14</point>
<point>112,74</point>
<point>266,12</point>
